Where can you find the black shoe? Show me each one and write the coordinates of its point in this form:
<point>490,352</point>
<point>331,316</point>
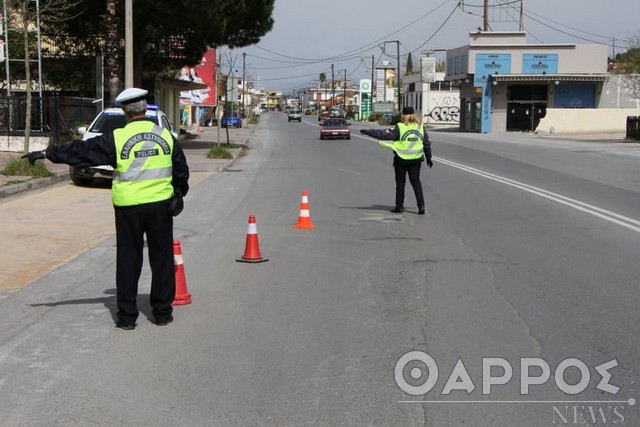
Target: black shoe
<point>397,210</point>
<point>421,211</point>
<point>125,326</point>
<point>164,321</point>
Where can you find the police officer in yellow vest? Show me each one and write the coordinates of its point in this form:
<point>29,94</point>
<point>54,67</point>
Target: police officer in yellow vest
<point>150,179</point>
<point>411,146</point>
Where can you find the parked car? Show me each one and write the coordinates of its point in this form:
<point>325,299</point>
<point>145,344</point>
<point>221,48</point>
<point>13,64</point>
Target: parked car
<point>295,115</point>
<point>335,128</point>
<point>108,120</point>
<point>231,119</point>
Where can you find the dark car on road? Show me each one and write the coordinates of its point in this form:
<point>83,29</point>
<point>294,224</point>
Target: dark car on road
<point>335,128</point>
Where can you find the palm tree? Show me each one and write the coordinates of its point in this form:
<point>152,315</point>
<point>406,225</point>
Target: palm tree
<point>323,78</point>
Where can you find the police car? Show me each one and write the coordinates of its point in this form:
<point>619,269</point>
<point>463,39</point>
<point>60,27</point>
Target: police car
<point>108,120</point>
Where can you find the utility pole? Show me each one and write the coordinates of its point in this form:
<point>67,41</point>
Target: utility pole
<point>398,77</point>
<point>397,42</point>
<point>217,113</point>
<point>128,51</point>
<point>333,86</point>
<point>485,16</point>
<point>372,78</point>
<point>344,95</point>
<point>243,84</point>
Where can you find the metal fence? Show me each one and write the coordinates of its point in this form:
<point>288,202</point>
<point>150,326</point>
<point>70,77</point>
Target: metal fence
<point>53,115</point>
<point>633,127</point>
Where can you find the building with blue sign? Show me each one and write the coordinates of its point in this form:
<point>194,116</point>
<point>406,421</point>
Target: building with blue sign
<point>509,85</point>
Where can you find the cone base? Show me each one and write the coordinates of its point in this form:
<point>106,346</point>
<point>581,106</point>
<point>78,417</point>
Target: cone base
<point>182,300</point>
<point>252,260</point>
<point>309,226</point>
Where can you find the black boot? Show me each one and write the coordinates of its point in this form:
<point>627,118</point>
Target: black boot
<point>421,210</point>
<point>398,209</point>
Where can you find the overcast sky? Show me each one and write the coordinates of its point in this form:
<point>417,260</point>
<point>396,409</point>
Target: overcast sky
<point>309,36</point>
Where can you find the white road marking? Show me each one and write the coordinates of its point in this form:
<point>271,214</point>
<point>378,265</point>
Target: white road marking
<point>596,211</point>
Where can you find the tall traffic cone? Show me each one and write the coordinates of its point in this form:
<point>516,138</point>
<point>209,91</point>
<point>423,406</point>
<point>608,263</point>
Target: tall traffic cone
<point>252,247</point>
<point>304,219</point>
<point>182,296</point>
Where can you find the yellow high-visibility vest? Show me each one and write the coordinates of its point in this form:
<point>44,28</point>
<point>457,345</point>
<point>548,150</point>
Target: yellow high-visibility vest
<point>144,168</point>
<point>409,146</point>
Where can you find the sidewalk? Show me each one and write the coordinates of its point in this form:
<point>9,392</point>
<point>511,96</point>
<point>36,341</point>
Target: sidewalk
<point>196,144</point>
<point>75,218</point>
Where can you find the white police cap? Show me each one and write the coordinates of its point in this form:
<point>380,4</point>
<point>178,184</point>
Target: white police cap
<point>133,94</point>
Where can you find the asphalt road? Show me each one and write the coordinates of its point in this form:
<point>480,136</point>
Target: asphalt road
<point>529,250</point>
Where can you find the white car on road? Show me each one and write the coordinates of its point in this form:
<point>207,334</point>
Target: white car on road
<point>108,120</point>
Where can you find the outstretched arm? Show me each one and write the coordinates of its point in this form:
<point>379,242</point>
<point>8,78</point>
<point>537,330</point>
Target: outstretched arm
<point>391,134</point>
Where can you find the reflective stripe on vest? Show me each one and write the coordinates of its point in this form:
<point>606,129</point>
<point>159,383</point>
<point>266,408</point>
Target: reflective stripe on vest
<point>409,146</point>
<point>144,169</point>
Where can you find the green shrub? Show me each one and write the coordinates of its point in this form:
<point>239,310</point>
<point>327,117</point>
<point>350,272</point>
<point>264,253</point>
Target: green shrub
<point>254,120</point>
<point>21,167</point>
<point>374,117</point>
<point>219,152</point>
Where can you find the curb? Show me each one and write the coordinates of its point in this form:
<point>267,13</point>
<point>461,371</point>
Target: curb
<point>32,184</point>
<point>38,183</point>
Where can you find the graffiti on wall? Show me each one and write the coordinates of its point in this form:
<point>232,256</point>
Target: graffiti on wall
<point>444,109</point>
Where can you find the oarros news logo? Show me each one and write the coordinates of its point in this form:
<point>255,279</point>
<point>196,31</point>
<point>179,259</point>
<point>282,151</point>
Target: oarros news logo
<point>418,374</point>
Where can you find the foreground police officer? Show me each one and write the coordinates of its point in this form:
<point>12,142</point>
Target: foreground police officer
<point>411,146</point>
<point>150,179</point>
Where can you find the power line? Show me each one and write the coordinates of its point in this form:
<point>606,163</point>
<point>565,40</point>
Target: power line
<point>438,29</point>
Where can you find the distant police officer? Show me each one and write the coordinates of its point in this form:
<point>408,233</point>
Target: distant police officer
<point>411,146</point>
<point>150,179</point>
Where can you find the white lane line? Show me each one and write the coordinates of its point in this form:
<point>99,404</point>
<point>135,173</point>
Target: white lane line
<point>596,211</point>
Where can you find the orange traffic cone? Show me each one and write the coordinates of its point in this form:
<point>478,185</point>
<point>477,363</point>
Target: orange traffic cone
<point>252,247</point>
<point>182,296</point>
<point>304,219</point>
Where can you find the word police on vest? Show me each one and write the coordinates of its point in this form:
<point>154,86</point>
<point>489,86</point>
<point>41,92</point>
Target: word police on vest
<point>131,95</point>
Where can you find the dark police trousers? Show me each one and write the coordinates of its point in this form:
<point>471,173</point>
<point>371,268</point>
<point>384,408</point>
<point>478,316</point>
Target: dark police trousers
<point>412,168</point>
<point>132,223</point>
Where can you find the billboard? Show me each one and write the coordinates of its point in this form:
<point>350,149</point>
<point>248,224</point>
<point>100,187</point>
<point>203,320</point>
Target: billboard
<point>489,64</point>
<point>428,69</point>
<point>540,63</point>
<point>205,72</point>
<point>385,84</point>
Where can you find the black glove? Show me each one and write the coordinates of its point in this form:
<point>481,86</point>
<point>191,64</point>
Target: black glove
<point>176,205</point>
<point>34,155</point>
<point>429,163</point>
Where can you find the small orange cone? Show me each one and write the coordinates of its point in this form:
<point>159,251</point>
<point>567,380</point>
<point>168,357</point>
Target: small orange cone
<point>182,296</point>
<point>304,219</point>
<point>252,247</point>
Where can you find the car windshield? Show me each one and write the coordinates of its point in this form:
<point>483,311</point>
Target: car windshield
<point>108,122</point>
<point>335,123</point>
